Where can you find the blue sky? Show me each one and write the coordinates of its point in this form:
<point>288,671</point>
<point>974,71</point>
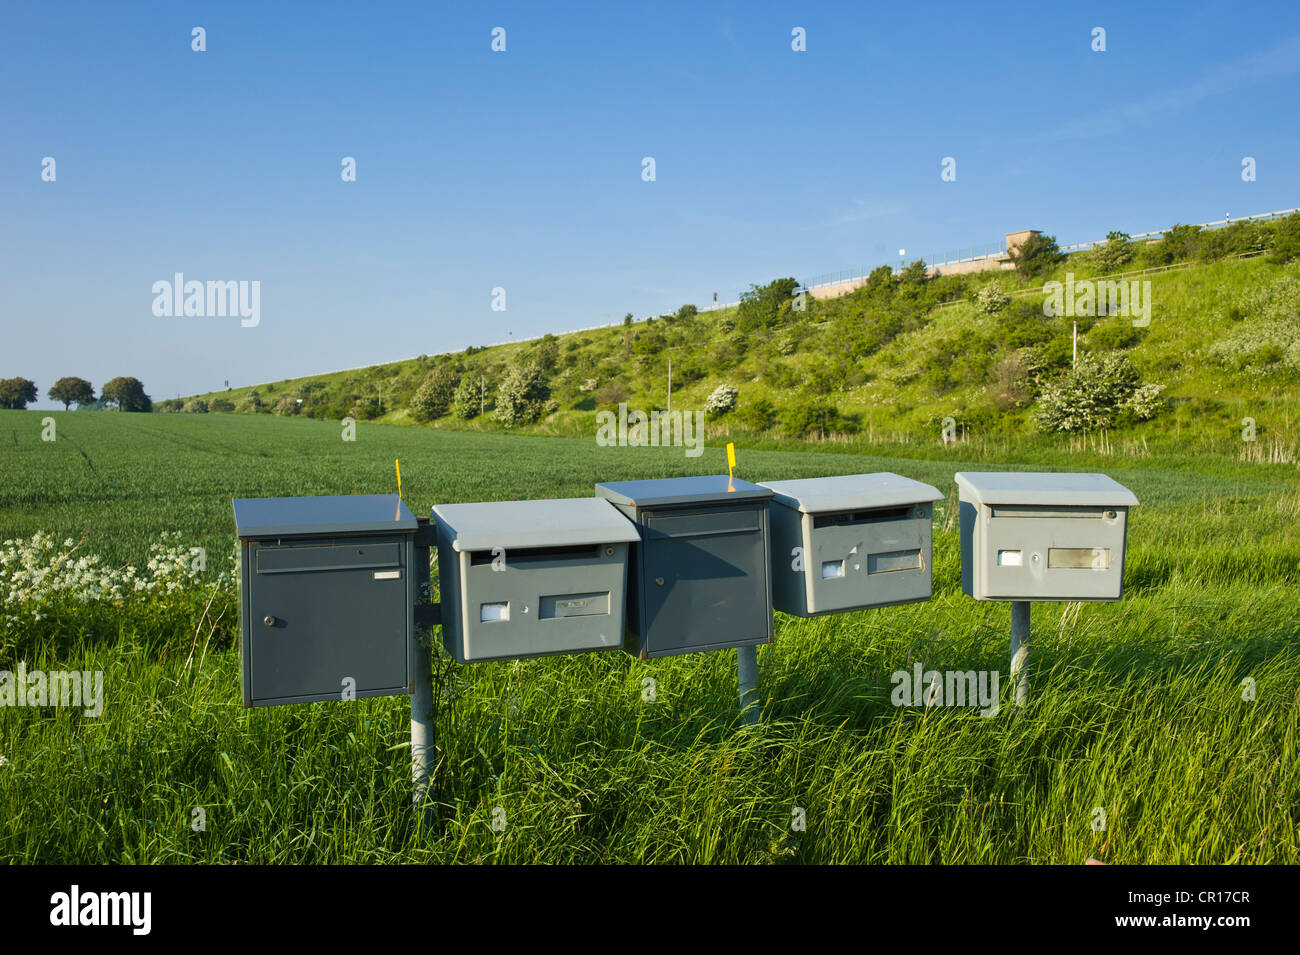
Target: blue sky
<point>523,169</point>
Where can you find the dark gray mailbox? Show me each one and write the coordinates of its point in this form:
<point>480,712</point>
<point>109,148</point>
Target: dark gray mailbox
<point>327,598</point>
<point>1054,536</point>
<point>848,542</point>
<point>698,578</point>
<point>528,578</point>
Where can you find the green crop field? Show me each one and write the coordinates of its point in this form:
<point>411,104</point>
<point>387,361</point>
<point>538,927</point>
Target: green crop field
<point>1173,711</point>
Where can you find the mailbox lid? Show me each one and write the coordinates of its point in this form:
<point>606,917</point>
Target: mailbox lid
<point>1054,488</point>
<point>671,492</point>
<point>565,522</point>
<point>260,517</point>
<point>851,492</point>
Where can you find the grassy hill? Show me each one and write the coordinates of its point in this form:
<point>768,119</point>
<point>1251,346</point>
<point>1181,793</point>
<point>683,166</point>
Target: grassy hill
<point>889,362</point>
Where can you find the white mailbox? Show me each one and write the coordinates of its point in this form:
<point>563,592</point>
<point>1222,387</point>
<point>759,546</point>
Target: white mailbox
<point>849,542</point>
<point>528,578</point>
<point>1053,536</point>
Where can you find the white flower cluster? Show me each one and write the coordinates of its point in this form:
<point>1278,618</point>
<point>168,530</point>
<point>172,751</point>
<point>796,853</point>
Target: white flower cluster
<point>32,570</point>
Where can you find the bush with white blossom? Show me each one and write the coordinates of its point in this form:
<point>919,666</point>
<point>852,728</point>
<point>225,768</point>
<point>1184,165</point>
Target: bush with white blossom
<point>32,571</point>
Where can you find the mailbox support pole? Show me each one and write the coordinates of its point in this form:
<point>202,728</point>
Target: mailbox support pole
<point>423,727</point>
<point>1020,650</point>
<point>747,678</point>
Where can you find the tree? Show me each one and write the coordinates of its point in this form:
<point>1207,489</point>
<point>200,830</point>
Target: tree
<point>69,390</point>
<point>524,395</point>
<point>435,394</point>
<point>126,394</point>
<point>1036,255</point>
<point>16,393</point>
<point>468,399</point>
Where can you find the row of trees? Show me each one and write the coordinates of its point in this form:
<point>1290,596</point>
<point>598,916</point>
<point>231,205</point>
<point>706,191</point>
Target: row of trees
<point>125,394</point>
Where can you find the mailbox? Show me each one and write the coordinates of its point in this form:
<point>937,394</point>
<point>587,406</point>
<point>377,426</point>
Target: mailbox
<point>698,577</point>
<point>849,542</point>
<point>327,598</point>
<point>529,578</point>
<point>1042,536</point>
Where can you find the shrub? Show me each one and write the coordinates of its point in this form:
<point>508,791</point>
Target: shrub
<point>1115,254</point>
<point>611,395</point>
<point>757,415</point>
<point>221,405</point>
<point>764,306</point>
<point>1094,395</point>
<point>435,394</point>
<point>250,403</point>
<point>524,395</point>
<point>991,299</point>
<point>1286,240</point>
<point>285,406</point>
<point>1268,333</point>
<point>195,406</point>
<point>721,401</point>
<point>468,398</point>
<point>816,419</point>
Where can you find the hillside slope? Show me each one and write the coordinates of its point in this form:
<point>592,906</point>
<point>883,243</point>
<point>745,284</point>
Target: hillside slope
<point>893,360</point>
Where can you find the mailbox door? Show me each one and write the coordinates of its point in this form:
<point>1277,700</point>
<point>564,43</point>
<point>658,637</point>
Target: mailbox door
<point>543,600</point>
<point>870,558</point>
<point>321,612</point>
<point>705,579</point>
<point>1053,553</point>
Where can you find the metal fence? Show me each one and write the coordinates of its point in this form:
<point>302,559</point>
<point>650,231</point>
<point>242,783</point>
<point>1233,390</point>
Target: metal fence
<point>998,250</point>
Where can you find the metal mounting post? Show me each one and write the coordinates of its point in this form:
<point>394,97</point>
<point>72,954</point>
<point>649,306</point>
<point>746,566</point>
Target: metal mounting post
<point>1020,650</point>
<point>747,679</point>
<point>423,727</point>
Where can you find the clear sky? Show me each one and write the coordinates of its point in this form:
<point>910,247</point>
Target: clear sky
<point>523,169</point>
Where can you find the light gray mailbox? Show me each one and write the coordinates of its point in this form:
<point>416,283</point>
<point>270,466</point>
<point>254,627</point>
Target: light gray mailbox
<point>699,578</point>
<point>327,597</point>
<point>528,578</point>
<point>1042,536</point>
<point>848,542</point>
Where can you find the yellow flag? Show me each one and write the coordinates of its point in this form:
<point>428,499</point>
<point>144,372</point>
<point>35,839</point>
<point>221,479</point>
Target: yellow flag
<point>398,465</point>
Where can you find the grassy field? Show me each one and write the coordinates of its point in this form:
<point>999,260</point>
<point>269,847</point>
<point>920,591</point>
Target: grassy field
<point>1136,708</point>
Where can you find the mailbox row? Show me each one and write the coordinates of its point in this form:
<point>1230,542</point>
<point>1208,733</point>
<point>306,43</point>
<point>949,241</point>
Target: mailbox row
<point>657,567</point>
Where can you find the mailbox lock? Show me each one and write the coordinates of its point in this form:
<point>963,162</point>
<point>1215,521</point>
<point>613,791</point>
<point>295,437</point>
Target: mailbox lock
<point>609,552</point>
<point>1109,515</point>
<point>269,620</point>
<point>659,581</point>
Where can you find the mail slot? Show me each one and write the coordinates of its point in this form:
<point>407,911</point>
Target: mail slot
<point>1042,536</point>
<point>849,542</point>
<point>698,577</point>
<point>531,578</point>
<point>326,599</point>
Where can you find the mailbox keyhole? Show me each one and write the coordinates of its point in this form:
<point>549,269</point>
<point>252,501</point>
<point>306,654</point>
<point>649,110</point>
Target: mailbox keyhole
<point>659,581</point>
<point>269,621</point>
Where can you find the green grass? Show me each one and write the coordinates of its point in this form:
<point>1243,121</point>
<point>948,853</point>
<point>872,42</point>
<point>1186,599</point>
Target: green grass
<point>1136,707</point>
